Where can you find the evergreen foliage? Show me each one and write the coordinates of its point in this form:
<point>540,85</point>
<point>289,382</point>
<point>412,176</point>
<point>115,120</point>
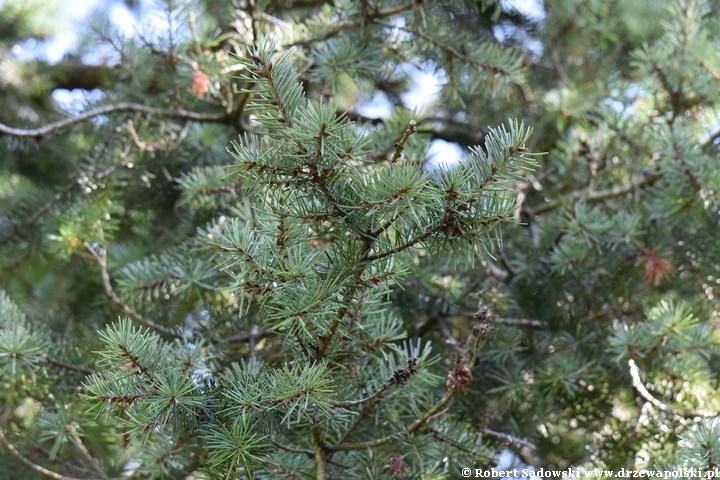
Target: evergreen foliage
<point>216,264</point>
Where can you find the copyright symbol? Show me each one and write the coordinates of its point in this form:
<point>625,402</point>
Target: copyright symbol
<point>466,472</point>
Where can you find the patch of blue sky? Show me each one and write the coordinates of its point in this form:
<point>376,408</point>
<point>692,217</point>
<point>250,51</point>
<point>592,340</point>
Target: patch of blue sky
<point>379,106</point>
<point>531,9</point>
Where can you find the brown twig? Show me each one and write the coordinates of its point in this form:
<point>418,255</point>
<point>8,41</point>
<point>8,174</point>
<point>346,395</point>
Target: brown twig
<point>339,27</point>
<point>246,337</point>
<point>451,51</point>
<point>50,128</point>
<point>406,431</point>
<point>599,195</point>
<point>149,147</point>
<point>101,259</point>
<point>14,451</point>
<point>69,366</point>
<point>504,437</point>
<point>400,144</point>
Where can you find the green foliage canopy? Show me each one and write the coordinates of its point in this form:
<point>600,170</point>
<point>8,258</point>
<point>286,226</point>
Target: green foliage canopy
<point>218,265</point>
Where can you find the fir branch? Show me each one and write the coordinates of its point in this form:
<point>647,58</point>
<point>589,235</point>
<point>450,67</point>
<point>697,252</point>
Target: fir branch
<point>265,72</point>
<point>279,445</point>
<point>451,51</point>
<point>404,432</point>
<point>692,178</point>
<point>247,337</point>
<point>101,259</point>
<point>400,145</point>
<point>86,454</point>
<point>640,387</point>
<point>517,322</point>
<point>438,435</point>
<point>14,451</point>
<point>399,377</point>
<point>521,322</point>
<point>69,366</point>
<point>19,229</point>
<point>36,449</point>
<point>150,147</point>
<point>408,244</point>
<point>174,448</point>
<point>364,413</point>
<point>50,128</point>
<point>339,27</point>
<point>504,437</point>
<point>319,453</point>
<point>600,195</point>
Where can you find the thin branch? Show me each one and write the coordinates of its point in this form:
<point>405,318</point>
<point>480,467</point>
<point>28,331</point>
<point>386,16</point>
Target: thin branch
<point>353,403</point>
<point>599,195</point>
<point>640,387</point>
<point>521,322</point>
<point>279,445</point>
<point>451,340</point>
<point>50,128</point>
<point>20,228</point>
<point>319,453</point>
<point>162,144</point>
<point>407,244</point>
<point>438,435</point>
<point>56,460</point>
<point>246,337</point>
<point>363,415</point>
<point>406,431</point>
<point>338,27</point>
<point>88,458</point>
<point>464,57</point>
<point>400,377</point>
<point>518,322</point>
<point>69,366</point>
<point>400,145</point>
<point>30,464</point>
<point>101,259</point>
<point>504,437</point>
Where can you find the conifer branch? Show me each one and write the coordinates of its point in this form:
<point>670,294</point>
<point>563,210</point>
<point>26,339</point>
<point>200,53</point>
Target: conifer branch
<point>150,147</point>
<point>400,145</point>
<point>451,51</point>
<point>101,259</point>
<point>266,73</point>
<point>18,230</point>
<point>86,454</point>
<point>404,432</point>
<point>304,451</point>
<point>600,195</point>
<point>319,452</point>
<point>14,451</point>
<point>517,322</point>
<point>21,227</point>
<point>438,435</point>
<point>339,27</point>
<point>327,338</point>
<point>50,128</point>
<point>246,337</point>
<point>69,366</point>
<point>504,437</point>
<point>407,244</point>
<point>57,459</point>
<point>399,377</point>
